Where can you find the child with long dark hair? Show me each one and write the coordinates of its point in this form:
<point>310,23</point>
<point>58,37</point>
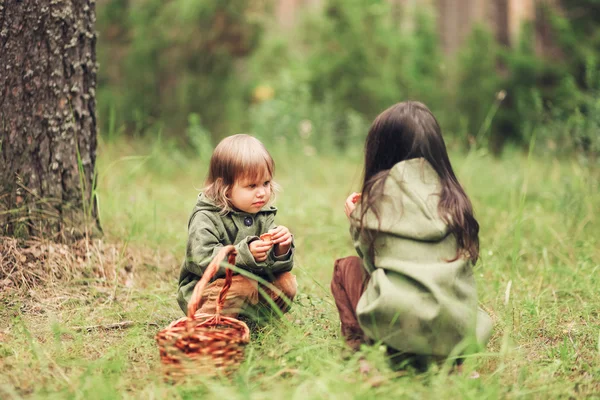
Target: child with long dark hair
<point>412,288</point>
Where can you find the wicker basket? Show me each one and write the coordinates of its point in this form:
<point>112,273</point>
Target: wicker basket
<point>204,343</point>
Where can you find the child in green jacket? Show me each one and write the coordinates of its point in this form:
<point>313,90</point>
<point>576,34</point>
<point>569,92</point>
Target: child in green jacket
<point>234,209</point>
<point>412,286</point>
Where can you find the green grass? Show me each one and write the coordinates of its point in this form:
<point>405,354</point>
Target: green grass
<point>538,277</point>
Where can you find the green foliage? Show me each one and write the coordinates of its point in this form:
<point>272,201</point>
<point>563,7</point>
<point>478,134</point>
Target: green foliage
<point>424,75</point>
<point>523,106</point>
<point>575,132</point>
<point>477,81</point>
<point>210,68</point>
<point>535,96</point>
<point>177,58</point>
<point>585,129</point>
<point>555,98</point>
<point>348,46</point>
<point>294,119</point>
<point>577,33</point>
<point>362,57</point>
<point>199,137</point>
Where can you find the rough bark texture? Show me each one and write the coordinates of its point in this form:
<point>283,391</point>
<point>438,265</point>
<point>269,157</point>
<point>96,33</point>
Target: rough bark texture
<point>47,118</point>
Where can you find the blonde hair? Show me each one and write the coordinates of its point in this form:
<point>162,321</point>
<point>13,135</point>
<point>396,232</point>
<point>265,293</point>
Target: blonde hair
<point>237,157</point>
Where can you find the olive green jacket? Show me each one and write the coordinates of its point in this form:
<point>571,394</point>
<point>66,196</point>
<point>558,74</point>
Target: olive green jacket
<point>209,231</point>
<point>416,300</point>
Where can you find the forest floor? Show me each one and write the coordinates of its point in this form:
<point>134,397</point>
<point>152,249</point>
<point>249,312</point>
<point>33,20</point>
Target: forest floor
<point>79,321</point>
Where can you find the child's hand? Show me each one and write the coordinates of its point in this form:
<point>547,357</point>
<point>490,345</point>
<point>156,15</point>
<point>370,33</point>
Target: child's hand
<point>282,239</point>
<point>259,249</point>
<point>350,204</point>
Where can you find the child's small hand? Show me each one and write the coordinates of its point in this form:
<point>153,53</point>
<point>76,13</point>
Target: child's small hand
<point>259,249</point>
<point>350,204</point>
<point>282,239</point>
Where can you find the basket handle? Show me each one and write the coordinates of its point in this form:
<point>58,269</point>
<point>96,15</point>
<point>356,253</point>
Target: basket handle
<point>227,251</point>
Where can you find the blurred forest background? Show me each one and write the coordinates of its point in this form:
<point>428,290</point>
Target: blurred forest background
<point>515,85</point>
<point>316,72</point>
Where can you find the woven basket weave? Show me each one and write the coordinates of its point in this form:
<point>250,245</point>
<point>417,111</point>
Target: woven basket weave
<point>201,343</point>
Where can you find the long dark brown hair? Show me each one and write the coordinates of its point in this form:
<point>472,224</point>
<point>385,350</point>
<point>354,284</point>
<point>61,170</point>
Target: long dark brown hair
<point>405,131</point>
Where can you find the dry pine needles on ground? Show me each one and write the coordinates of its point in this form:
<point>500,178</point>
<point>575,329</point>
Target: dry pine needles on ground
<point>29,264</point>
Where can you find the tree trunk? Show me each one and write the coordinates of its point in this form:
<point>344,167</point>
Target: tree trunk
<point>47,118</point>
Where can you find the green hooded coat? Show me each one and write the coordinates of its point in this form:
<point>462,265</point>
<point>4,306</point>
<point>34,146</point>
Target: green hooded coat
<point>416,301</point>
<point>209,231</point>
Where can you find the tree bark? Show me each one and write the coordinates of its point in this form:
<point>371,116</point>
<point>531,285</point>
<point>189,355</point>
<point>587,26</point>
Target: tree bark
<point>47,118</point>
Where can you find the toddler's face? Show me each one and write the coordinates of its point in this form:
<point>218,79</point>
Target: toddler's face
<point>251,194</point>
